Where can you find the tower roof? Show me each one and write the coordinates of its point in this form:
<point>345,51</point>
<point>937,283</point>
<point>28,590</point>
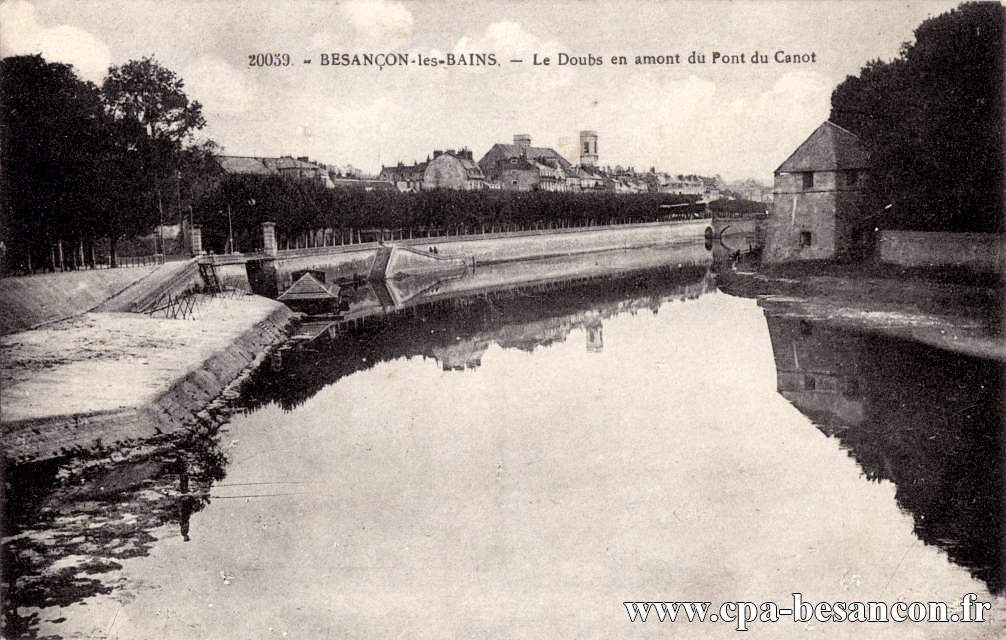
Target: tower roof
<point>829,148</point>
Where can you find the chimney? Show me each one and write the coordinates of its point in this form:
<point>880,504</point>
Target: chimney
<point>522,140</point>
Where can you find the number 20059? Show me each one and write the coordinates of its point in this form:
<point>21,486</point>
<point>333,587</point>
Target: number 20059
<point>268,59</point>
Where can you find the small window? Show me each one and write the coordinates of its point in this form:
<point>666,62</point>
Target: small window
<point>808,180</point>
<point>806,239</point>
<point>809,383</point>
<point>851,178</point>
<point>586,147</point>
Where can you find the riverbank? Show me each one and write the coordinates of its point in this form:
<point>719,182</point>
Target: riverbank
<point>957,310</point>
<point>104,378</point>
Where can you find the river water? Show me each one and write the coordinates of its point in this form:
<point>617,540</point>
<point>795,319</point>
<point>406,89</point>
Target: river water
<point>516,453</point>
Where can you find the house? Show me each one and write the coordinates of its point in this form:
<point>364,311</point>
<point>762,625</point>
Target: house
<point>406,177</point>
<point>299,168</point>
<point>452,169</point>
<point>591,178</point>
<point>522,167</point>
<point>817,210</point>
<point>515,174</point>
<point>683,185</point>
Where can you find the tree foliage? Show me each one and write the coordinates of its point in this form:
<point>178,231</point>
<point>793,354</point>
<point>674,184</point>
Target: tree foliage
<point>51,122</point>
<point>932,119</point>
<point>299,207</point>
<point>81,163</point>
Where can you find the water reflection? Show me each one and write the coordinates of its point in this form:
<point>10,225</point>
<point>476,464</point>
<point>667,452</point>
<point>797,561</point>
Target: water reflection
<point>927,420</point>
<point>503,439</point>
<point>456,331</point>
<point>69,525</point>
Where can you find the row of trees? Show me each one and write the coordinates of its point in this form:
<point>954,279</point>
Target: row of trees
<point>82,162</point>
<point>239,203</point>
<point>932,119</point>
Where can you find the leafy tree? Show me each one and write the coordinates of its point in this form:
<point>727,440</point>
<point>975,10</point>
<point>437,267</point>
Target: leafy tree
<point>153,97</point>
<point>932,119</point>
<point>51,122</point>
<point>151,141</point>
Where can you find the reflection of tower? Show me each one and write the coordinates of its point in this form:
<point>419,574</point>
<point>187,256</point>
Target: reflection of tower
<point>588,148</point>
<point>595,337</point>
<point>817,370</point>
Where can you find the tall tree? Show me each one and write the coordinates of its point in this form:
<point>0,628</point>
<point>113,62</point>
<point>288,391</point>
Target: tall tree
<point>932,119</point>
<point>152,138</point>
<point>50,123</point>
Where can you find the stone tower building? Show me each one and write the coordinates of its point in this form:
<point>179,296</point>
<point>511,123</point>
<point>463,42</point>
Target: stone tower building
<point>588,148</point>
<point>817,200</point>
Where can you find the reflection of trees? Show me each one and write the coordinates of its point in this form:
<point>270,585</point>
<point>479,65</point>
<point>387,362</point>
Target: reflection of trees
<point>457,329</point>
<point>930,421</point>
<point>98,514</point>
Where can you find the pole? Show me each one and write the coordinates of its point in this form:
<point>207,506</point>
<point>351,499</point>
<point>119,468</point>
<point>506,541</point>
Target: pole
<point>178,205</point>
<point>160,213</point>
<point>230,231</point>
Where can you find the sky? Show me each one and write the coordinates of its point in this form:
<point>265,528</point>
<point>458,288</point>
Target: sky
<point>737,120</point>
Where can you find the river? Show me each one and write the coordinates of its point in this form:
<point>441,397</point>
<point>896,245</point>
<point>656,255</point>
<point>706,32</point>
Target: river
<point>517,454</point>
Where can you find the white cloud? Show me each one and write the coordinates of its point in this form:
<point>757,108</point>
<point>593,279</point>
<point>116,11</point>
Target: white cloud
<point>379,22</point>
<point>510,40</point>
<point>797,97</point>
<point>220,87</point>
<point>23,33</point>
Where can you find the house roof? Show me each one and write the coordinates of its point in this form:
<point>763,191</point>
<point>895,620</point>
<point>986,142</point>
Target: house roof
<point>828,148</point>
<point>246,164</point>
<point>587,171</point>
<point>511,151</point>
<point>261,165</point>
<point>286,162</point>
<point>404,171</point>
<point>307,288</point>
<point>470,166</point>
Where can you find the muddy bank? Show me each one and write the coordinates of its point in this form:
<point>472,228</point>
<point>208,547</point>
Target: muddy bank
<point>948,311</point>
<point>103,379</point>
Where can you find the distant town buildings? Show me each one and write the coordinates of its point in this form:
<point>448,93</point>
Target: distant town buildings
<point>817,211</point>
<point>522,167</point>
<point>588,149</point>
<point>453,170</point>
<point>299,168</point>
<point>516,166</point>
<point>406,177</point>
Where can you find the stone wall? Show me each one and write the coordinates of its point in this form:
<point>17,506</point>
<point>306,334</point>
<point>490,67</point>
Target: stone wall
<point>30,301</point>
<point>978,251</point>
<point>345,261</point>
<point>797,211</point>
